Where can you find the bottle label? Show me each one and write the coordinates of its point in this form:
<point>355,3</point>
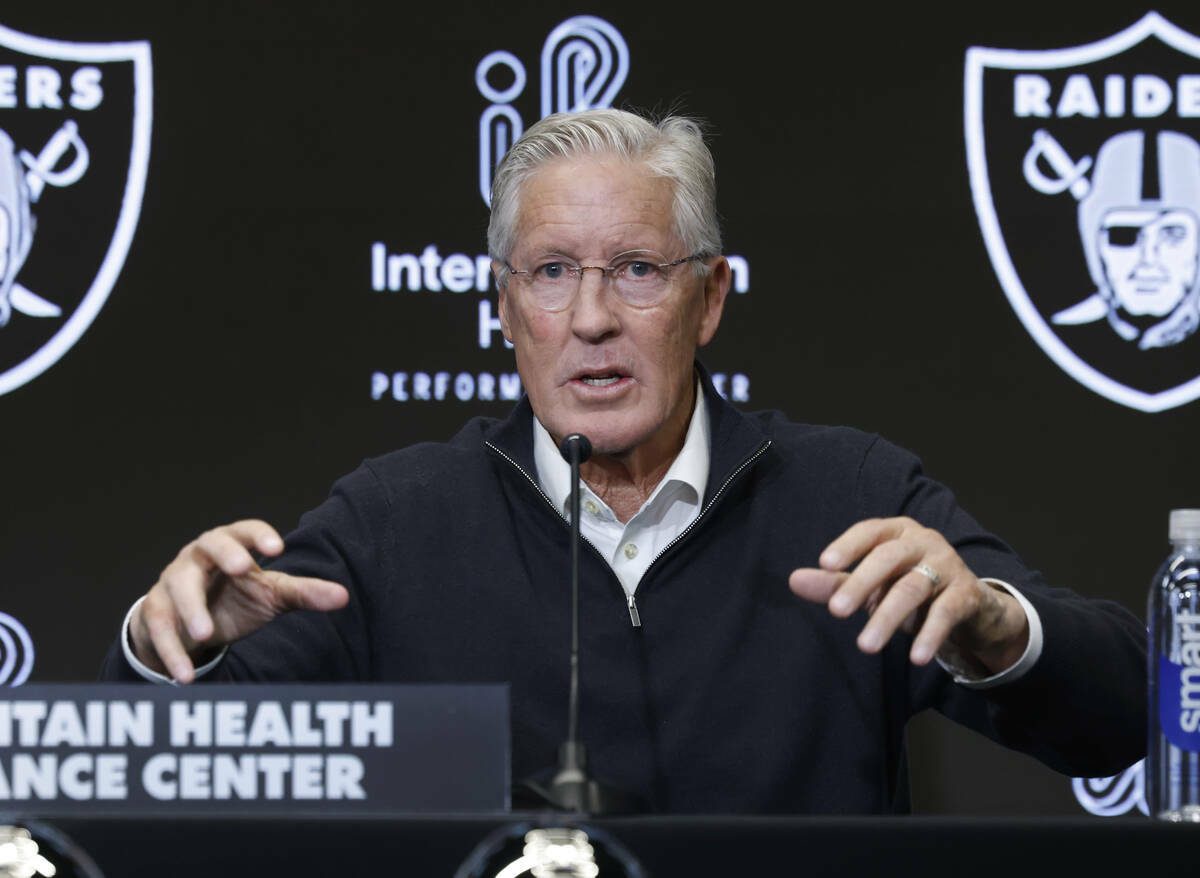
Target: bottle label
<point>1179,703</point>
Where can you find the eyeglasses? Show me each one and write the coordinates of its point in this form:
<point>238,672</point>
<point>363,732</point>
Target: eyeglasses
<point>641,278</point>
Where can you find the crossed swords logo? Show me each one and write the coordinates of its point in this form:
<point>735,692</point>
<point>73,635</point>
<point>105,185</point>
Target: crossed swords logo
<point>23,179</point>
<point>1070,176</point>
<point>1070,172</point>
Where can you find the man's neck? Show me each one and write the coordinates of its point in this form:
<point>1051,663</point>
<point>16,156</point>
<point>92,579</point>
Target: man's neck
<point>626,481</point>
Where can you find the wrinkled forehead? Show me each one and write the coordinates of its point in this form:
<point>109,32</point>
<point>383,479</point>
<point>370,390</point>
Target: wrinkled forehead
<point>595,205</point>
<point>594,178</point>
<point>1150,218</point>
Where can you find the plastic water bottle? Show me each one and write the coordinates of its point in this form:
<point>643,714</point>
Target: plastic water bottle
<point>1173,760</point>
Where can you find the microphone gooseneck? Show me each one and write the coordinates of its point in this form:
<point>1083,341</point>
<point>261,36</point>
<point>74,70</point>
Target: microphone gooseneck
<point>572,789</point>
<point>575,449</point>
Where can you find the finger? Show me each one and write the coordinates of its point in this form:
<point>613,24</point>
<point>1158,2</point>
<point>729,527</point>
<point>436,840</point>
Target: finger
<point>885,564</point>
<point>903,600</point>
<point>914,620</point>
<point>187,585</point>
<point>815,585</point>
<point>951,607</point>
<point>222,550</point>
<point>256,534</point>
<point>160,624</point>
<point>859,539</point>
<point>304,593</point>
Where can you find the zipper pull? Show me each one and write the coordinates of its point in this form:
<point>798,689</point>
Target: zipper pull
<point>633,613</point>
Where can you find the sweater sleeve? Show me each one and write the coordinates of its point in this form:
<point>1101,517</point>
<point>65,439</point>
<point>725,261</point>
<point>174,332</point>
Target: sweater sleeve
<point>1081,708</point>
<point>347,539</point>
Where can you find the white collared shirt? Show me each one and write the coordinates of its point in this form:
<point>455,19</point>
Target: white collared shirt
<point>630,548</point>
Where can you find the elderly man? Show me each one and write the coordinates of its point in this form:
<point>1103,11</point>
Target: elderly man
<point>728,661</point>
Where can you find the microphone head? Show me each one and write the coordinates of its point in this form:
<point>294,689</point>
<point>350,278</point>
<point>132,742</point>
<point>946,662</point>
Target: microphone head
<point>581,444</point>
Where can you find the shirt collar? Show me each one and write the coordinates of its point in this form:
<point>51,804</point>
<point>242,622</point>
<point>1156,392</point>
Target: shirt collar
<point>689,468</point>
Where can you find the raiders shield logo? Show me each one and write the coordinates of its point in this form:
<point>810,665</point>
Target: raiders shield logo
<point>1085,172</point>
<point>74,146</point>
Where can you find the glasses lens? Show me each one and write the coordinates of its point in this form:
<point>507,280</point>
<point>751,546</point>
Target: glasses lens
<point>552,284</point>
<point>642,278</point>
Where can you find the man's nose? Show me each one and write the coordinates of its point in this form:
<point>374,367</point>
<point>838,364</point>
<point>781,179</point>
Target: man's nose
<point>1148,245</point>
<point>592,314</point>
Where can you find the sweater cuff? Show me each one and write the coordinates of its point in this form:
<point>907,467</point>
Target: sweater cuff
<point>1033,649</point>
<point>140,667</point>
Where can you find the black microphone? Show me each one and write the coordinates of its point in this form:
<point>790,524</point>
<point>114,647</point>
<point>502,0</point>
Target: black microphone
<point>570,783</point>
<point>575,449</point>
<point>575,445</point>
<point>572,789</point>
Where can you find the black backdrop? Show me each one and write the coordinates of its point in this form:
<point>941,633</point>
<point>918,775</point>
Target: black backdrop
<point>230,372</point>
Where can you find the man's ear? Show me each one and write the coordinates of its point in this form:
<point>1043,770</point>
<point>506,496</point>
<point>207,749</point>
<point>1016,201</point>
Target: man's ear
<point>716,288</point>
<point>498,273</point>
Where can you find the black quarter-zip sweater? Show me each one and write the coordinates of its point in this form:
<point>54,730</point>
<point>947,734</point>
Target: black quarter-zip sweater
<point>733,695</point>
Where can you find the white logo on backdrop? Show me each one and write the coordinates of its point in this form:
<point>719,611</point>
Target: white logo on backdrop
<point>1113,796</point>
<point>584,62</point>
<point>30,93</point>
<point>23,177</point>
<point>1106,281</point>
<point>1141,252</point>
<point>16,652</point>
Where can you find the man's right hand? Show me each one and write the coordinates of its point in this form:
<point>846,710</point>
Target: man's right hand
<point>214,593</point>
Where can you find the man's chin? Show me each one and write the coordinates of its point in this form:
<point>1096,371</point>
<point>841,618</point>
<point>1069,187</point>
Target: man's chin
<point>608,439</point>
<point>1148,310</point>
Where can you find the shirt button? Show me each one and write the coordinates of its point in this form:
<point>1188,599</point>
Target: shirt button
<point>630,551</point>
<point>591,507</point>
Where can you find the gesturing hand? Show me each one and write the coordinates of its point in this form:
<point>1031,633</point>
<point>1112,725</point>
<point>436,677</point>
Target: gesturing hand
<point>214,593</point>
<point>909,578</point>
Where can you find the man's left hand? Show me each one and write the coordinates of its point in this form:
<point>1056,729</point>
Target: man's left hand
<point>909,578</point>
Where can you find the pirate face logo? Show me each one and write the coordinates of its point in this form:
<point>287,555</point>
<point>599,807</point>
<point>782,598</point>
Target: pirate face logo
<point>1149,261</point>
<point>1085,171</point>
<point>74,146</point>
<point>1138,225</point>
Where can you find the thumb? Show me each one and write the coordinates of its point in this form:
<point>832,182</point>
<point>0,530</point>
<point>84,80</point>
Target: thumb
<point>306,593</point>
<point>814,584</point>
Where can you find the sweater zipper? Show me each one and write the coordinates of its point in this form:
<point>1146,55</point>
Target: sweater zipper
<point>635,618</point>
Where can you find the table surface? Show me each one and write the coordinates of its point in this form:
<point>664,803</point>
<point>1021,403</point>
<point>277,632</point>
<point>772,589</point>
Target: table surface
<point>664,846</point>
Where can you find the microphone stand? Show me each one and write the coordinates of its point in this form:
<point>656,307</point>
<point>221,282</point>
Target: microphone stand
<point>570,784</point>
<point>571,788</point>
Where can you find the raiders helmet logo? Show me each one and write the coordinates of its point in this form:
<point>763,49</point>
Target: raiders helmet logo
<point>1085,173</point>
<point>74,147</point>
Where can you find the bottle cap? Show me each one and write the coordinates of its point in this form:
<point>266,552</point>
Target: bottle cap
<point>1184,525</point>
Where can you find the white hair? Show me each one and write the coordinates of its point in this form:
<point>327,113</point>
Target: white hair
<point>672,148</point>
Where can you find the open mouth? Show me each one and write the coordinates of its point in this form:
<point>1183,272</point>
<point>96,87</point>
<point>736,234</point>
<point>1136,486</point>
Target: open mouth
<point>600,378</point>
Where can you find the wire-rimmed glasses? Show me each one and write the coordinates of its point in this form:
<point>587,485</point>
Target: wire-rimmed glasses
<point>641,278</point>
